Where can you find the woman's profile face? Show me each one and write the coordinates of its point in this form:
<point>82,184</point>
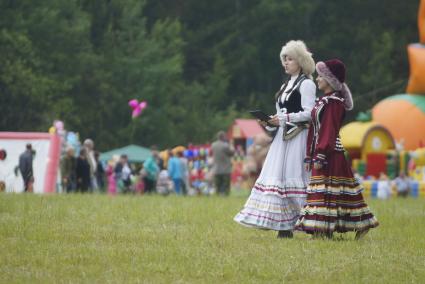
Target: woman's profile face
<point>291,65</point>
<point>322,84</point>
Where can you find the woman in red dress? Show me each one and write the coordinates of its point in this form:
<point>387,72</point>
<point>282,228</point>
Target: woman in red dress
<point>334,199</point>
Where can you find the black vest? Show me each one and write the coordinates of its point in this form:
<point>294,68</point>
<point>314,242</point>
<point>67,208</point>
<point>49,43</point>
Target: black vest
<point>293,103</point>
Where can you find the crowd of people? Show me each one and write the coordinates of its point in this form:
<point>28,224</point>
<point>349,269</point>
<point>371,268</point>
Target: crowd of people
<point>180,174</point>
<point>84,173</point>
<point>401,186</point>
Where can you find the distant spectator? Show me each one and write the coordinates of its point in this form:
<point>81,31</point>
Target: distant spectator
<point>26,169</point>
<point>163,184</point>
<point>83,172</point>
<point>384,187</point>
<point>185,172</point>
<point>100,172</point>
<point>68,171</point>
<point>152,170</point>
<point>175,172</point>
<point>89,147</point>
<point>402,183</point>
<point>110,177</point>
<point>222,167</point>
<point>123,174</point>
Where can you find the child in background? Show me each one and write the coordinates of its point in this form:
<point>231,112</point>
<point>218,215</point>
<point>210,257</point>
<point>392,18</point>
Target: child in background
<point>163,184</point>
<point>384,187</point>
<point>140,183</point>
<point>110,176</point>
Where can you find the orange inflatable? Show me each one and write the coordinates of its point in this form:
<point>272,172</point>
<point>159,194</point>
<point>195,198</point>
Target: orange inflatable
<point>421,22</point>
<point>404,117</point>
<point>416,53</point>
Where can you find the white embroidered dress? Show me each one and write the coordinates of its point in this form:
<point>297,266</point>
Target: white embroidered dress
<point>279,193</point>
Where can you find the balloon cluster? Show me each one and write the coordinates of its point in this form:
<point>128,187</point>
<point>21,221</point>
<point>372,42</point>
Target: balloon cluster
<point>194,153</point>
<point>73,140</point>
<point>57,128</point>
<point>137,107</point>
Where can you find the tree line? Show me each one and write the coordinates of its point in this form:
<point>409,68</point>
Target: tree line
<point>198,64</point>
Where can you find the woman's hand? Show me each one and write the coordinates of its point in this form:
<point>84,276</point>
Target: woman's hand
<point>317,166</point>
<point>274,120</point>
<point>307,167</point>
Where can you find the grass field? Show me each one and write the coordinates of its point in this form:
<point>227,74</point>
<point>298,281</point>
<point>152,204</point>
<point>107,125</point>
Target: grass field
<point>154,239</point>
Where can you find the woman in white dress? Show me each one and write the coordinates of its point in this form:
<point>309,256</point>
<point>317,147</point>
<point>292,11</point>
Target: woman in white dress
<point>279,193</point>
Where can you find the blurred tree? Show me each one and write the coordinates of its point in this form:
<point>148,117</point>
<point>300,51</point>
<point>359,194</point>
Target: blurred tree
<point>199,65</point>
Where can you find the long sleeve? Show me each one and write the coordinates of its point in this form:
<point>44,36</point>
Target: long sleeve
<point>330,123</point>
<point>309,142</point>
<point>270,129</point>
<point>308,97</point>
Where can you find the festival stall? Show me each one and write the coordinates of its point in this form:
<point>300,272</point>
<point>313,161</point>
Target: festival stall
<point>368,144</point>
<point>47,149</point>
<point>135,154</point>
<point>242,132</point>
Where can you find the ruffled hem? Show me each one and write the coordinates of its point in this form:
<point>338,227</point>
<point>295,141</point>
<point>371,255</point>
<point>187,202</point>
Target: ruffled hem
<point>312,224</point>
<point>290,188</point>
<point>265,222</point>
<point>330,209</point>
<point>270,212</point>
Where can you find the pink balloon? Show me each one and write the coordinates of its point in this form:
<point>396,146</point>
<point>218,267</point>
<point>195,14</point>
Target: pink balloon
<point>137,107</point>
<point>143,104</point>
<point>58,124</point>
<point>133,103</point>
<point>136,112</point>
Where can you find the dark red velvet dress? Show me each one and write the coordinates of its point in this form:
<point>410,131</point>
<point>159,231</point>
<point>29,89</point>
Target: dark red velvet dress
<point>334,199</point>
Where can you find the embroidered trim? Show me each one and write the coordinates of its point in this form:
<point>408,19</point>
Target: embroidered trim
<point>321,156</point>
<point>320,161</point>
<point>338,145</point>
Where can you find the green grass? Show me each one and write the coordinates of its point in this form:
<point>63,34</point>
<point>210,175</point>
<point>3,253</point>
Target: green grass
<point>154,239</point>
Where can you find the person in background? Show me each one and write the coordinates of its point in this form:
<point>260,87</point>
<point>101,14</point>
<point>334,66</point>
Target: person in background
<point>175,172</point>
<point>139,187</point>
<point>83,172</point>
<point>185,172</point>
<point>209,175</point>
<point>100,172</point>
<point>110,177</point>
<point>152,170</point>
<point>123,174</point>
<point>26,169</point>
<point>89,148</point>
<point>384,187</point>
<point>402,183</point>
<point>68,171</point>
<point>222,163</point>
<point>164,184</point>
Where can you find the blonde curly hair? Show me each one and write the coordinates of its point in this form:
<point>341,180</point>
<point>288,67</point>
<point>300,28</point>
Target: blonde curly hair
<point>298,51</point>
